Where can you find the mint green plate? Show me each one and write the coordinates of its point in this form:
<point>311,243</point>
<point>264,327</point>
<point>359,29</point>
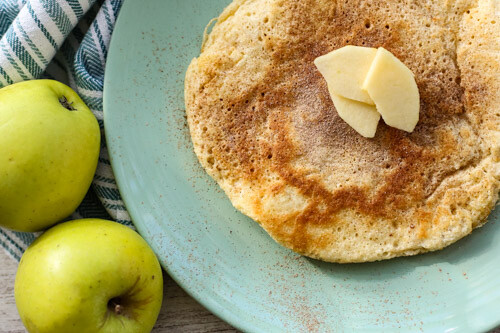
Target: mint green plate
<point>224,259</point>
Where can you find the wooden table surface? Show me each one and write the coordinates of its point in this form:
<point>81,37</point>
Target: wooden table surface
<point>179,313</point>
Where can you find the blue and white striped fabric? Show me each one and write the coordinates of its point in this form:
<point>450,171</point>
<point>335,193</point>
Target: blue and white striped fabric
<point>65,40</point>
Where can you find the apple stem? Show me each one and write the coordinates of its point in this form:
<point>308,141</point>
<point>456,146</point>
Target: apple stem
<point>118,309</point>
<point>64,102</point>
<point>115,306</point>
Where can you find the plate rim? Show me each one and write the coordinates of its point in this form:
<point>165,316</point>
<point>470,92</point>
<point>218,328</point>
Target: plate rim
<point>213,307</point>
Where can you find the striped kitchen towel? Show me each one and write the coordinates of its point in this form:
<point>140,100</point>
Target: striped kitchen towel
<point>65,40</point>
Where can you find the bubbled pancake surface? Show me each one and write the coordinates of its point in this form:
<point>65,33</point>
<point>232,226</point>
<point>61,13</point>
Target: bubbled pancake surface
<point>264,127</point>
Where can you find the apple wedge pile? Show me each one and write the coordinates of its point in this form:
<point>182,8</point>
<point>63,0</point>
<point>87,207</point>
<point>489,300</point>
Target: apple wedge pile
<point>366,83</point>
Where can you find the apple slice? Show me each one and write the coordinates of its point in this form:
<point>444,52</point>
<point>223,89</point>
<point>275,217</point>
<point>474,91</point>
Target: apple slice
<point>393,88</point>
<point>345,70</point>
<point>362,117</point>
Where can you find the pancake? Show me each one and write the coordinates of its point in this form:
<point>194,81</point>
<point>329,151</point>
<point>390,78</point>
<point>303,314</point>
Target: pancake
<point>264,127</point>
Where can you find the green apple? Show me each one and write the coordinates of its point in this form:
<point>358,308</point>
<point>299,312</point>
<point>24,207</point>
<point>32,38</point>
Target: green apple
<point>49,141</point>
<point>89,276</point>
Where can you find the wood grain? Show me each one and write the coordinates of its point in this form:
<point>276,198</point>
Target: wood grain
<point>9,319</point>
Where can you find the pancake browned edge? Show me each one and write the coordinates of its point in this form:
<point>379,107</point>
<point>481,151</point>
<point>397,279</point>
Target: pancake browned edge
<point>264,127</point>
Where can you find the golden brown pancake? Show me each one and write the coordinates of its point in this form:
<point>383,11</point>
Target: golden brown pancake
<point>264,127</point>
